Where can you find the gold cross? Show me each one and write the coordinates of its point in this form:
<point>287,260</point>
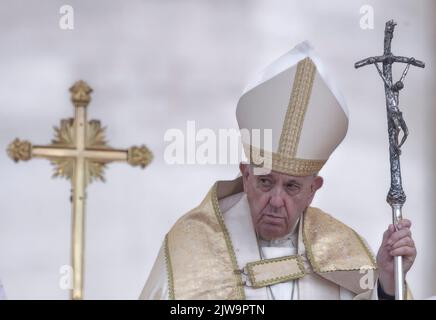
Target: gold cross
<point>80,153</point>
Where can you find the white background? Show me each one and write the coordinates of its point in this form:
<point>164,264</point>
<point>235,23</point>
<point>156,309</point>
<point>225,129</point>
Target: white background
<point>153,66</point>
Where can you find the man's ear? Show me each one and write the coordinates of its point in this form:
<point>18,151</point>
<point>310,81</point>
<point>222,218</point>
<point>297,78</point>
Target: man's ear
<point>317,183</point>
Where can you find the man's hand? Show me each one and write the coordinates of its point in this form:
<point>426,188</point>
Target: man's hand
<point>395,243</point>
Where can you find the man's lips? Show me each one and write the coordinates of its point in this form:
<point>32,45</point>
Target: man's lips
<point>271,219</point>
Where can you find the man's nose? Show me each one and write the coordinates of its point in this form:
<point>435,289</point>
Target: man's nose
<point>277,198</point>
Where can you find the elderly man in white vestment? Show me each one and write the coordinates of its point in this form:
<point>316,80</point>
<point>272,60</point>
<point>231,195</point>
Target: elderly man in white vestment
<point>257,237</point>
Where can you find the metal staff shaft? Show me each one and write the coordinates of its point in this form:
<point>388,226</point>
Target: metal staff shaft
<point>398,261</point>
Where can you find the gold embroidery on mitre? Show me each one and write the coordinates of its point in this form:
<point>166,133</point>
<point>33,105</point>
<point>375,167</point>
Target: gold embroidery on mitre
<point>299,100</point>
<point>333,246</point>
<point>281,163</point>
<point>277,270</point>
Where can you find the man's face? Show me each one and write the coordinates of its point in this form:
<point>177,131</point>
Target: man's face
<point>277,200</point>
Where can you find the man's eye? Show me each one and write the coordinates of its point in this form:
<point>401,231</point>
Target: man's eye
<point>265,182</point>
<point>293,187</point>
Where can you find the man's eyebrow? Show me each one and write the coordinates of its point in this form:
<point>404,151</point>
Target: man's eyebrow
<point>293,181</point>
<point>264,175</point>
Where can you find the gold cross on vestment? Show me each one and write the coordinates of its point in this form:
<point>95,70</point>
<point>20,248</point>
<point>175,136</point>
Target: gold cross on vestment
<point>80,153</point>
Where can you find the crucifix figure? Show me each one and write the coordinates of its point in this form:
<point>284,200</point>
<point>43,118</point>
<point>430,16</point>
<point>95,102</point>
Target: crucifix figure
<point>80,153</point>
<point>396,124</point>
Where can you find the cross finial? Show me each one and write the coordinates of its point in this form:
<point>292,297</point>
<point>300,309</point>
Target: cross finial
<point>390,25</point>
<point>20,150</point>
<point>80,94</point>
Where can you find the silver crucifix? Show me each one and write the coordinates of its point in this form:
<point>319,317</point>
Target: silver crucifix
<point>396,125</point>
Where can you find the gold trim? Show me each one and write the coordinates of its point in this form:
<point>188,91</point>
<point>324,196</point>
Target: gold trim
<point>299,100</point>
<point>259,284</point>
<point>280,163</point>
<point>365,247</point>
<point>231,251</point>
<point>409,295</point>
<point>170,278</point>
<point>317,268</point>
<point>309,253</point>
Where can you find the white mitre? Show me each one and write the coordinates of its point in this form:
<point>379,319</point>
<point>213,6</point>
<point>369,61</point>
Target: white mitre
<point>306,113</point>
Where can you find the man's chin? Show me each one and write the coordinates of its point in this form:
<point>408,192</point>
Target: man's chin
<point>271,232</point>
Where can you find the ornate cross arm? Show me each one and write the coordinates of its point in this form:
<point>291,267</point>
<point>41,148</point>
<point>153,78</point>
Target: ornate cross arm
<point>22,150</point>
<point>80,139</point>
<point>389,59</point>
